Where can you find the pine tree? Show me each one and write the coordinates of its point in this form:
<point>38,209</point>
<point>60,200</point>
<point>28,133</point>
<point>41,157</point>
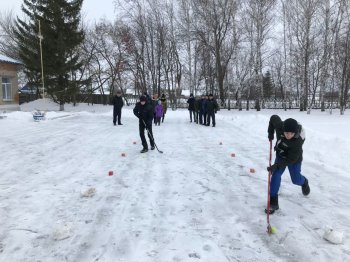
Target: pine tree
<point>267,85</point>
<point>61,38</point>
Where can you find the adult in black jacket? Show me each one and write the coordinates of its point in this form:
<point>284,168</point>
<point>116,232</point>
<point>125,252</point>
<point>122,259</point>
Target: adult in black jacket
<point>164,104</point>
<point>204,109</point>
<point>201,101</point>
<point>212,107</point>
<point>191,106</point>
<point>144,112</point>
<point>197,106</point>
<point>118,103</point>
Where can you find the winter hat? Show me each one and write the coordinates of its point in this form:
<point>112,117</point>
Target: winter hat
<point>290,125</point>
<point>210,94</point>
<point>143,98</point>
<point>191,94</point>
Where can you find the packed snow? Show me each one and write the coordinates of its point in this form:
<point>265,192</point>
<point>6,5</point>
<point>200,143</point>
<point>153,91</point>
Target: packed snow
<point>76,188</point>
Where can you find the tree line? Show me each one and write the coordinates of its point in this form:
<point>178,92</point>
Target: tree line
<point>239,50</point>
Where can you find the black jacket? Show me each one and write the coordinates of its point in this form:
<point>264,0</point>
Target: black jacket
<point>275,124</point>
<point>117,102</point>
<point>201,105</point>
<point>212,106</point>
<point>290,151</point>
<point>191,101</point>
<point>143,112</point>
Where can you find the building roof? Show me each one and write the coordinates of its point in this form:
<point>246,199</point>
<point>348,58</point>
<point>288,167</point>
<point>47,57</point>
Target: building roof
<point>6,59</point>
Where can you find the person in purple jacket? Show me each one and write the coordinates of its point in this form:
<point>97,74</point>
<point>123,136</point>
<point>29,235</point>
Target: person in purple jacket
<point>159,112</point>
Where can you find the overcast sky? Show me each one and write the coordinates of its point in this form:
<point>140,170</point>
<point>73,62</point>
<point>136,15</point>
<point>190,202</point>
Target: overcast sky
<point>93,10</point>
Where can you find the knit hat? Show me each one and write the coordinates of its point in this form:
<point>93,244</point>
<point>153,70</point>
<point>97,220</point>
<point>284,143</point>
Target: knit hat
<point>290,125</point>
<point>143,98</point>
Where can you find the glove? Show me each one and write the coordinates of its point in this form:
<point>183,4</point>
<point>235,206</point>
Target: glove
<point>272,168</point>
<point>270,137</point>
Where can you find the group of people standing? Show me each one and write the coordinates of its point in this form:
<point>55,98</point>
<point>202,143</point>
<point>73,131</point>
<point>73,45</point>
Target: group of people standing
<point>203,109</point>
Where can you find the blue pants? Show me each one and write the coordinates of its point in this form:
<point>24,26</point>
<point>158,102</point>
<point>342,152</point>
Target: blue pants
<point>295,175</point>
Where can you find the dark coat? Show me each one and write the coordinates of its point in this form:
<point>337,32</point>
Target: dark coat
<point>275,124</point>
<point>154,103</point>
<point>117,102</point>
<point>198,105</point>
<point>212,106</point>
<point>143,112</point>
<point>191,101</point>
<point>290,151</point>
<point>164,104</point>
<point>203,108</point>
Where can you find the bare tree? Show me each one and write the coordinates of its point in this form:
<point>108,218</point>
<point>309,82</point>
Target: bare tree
<point>343,56</point>
<point>8,44</point>
<point>303,16</point>
<point>326,53</point>
<point>260,15</point>
<point>216,30</point>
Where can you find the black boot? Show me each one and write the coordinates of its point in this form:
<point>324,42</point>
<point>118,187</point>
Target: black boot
<point>144,150</point>
<point>152,147</point>
<point>305,187</point>
<point>273,205</point>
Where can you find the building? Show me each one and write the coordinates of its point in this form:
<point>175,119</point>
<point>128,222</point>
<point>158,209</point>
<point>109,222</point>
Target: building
<point>8,80</point>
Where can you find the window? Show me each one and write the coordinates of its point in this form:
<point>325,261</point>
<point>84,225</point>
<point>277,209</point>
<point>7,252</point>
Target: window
<point>6,89</point>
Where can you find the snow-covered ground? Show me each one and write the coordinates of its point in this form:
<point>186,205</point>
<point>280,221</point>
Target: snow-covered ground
<point>195,202</point>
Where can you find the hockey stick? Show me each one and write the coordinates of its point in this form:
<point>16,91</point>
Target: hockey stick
<point>151,137</point>
<point>269,228</point>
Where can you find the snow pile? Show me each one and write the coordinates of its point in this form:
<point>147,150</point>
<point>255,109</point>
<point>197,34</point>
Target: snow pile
<point>333,236</point>
<point>88,192</point>
<point>62,231</point>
